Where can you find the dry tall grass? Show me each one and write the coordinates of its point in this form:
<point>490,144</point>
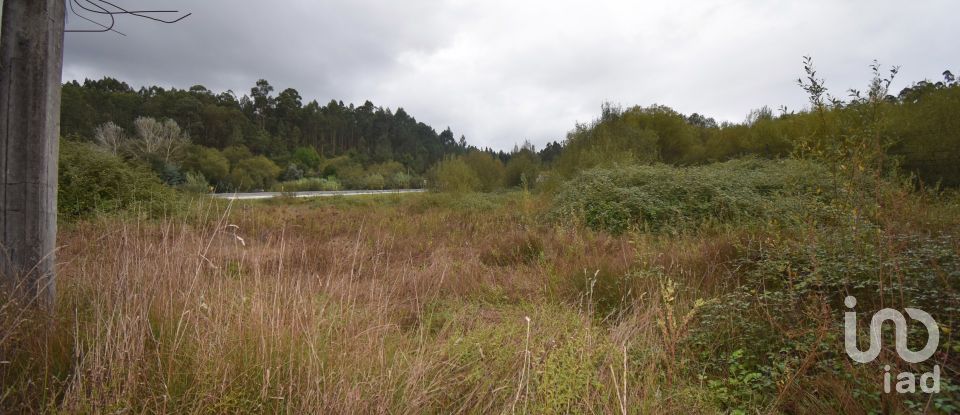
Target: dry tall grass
<point>378,305</point>
<point>376,308</point>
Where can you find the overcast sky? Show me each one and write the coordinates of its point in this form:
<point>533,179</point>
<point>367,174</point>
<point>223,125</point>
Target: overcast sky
<point>504,71</point>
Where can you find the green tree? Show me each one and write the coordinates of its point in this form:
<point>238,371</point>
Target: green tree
<point>351,174</point>
<point>522,169</point>
<point>209,162</point>
<point>387,169</point>
<point>288,104</point>
<point>275,125</point>
<point>263,102</point>
<point>236,153</point>
<point>489,171</point>
<point>374,181</point>
<point>618,137</point>
<point>306,157</point>
<point>401,180</point>
<point>453,175</point>
<point>254,173</point>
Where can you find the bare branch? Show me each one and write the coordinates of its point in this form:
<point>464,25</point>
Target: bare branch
<point>103,7</point>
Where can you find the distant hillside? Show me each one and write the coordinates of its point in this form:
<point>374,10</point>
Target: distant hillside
<point>266,123</point>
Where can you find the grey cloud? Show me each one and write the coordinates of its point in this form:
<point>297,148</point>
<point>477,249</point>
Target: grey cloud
<point>503,71</point>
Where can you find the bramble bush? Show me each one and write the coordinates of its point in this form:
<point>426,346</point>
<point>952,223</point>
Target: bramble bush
<point>786,306</point>
<point>661,197</point>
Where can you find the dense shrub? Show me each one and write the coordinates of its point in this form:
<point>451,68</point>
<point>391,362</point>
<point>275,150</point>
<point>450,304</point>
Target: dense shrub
<point>209,162</point>
<point>927,130</point>
<point>655,133</point>
<point>195,183</point>
<point>94,181</point>
<point>253,173</point>
<point>488,169</point>
<point>522,169</point>
<point>307,184</point>
<point>350,173</point>
<point>374,182</point>
<point>479,171</point>
<point>401,180</point>
<point>292,172</point>
<point>760,329</point>
<point>386,169</point>
<point>453,175</point>
<point>235,154</point>
<point>657,197</point>
<point>306,157</point>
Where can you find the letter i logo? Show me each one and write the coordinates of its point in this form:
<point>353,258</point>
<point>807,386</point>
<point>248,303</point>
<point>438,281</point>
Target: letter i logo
<point>900,333</point>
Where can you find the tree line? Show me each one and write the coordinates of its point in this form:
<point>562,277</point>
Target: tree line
<point>918,126</point>
<point>253,140</point>
<point>201,140</point>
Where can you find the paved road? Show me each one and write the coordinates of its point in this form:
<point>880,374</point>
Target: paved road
<point>268,195</point>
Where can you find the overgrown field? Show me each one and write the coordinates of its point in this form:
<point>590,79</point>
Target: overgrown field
<point>712,289</point>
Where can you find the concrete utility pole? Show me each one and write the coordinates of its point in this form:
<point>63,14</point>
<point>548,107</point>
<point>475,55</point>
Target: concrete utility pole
<point>31,59</point>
